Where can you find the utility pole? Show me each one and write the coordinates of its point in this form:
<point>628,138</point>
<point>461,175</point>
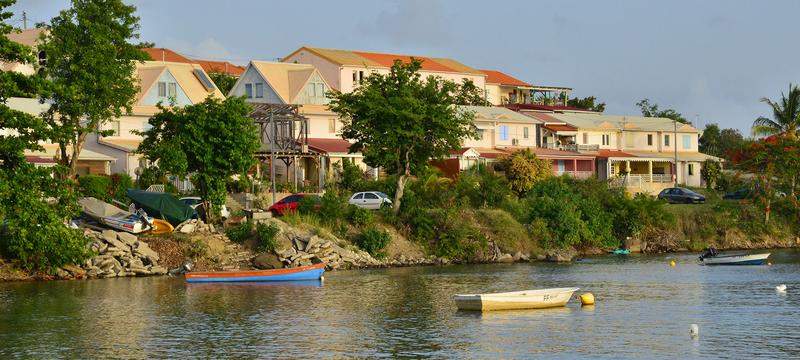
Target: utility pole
<point>675,143</point>
<point>24,21</point>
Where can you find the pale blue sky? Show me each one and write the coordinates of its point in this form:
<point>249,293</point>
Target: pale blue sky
<point>710,60</point>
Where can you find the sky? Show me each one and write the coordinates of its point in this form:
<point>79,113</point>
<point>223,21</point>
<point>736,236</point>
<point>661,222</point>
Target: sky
<point>710,60</point>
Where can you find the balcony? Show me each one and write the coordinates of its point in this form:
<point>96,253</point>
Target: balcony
<point>576,174</point>
<point>580,148</point>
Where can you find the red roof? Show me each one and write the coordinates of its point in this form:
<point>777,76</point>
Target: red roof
<point>162,54</point>
<point>606,153</point>
<point>329,145</point>
<point>497,77</point>
<point>557,128</point>
<point>388,60</point>
<point>39,159</point>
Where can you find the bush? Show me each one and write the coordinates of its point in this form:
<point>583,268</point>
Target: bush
<point>332,207</point>
<point>241,232</point>
<point>197,248</point>
<point>501,227</point>
<point>96,186</point>
<point>351,176</point>
<point>120,183</point>
<point>308,205</point>
<point>360,216</point>
<point>374,241</point>
<point>266,235</point>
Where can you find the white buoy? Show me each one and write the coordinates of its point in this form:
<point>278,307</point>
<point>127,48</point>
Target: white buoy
<point>694,330</point>
<point>781,288</point>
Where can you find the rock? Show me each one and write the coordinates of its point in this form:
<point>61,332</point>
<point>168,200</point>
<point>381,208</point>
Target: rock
<point>74,269</point>
<point>62,274</point>
<point>143,251</point>
<point>94,272</point>
<point>505,258</point>
<point>518,256</point>
<point>563,255</point>
<point>127,238</point>
<point>211,228</point>
<point>313,241</point>
<point>267,261</point>
<point>327,244</point>
<point>541,257</point>
<point>158,270</point>
<point>299,244</point>
<point>112,240</point>
<point>187,228</point>
<point>109,235</point>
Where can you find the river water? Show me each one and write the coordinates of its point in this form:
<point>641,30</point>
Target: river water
<point>644,310</point>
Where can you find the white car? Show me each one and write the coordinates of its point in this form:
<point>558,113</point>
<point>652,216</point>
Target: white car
<point>370,200</point>
<point>195,201</point>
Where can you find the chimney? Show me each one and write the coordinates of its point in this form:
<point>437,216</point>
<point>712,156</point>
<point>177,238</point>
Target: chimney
<point>162,54</point>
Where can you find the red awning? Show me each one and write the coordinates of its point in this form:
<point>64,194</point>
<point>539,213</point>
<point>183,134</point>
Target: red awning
<point>557,128</point>
<point>329,145</point>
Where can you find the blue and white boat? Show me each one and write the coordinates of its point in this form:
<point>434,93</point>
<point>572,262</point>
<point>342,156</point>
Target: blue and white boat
<point>114,217</point>
<point>712,257</point>
<point>304,273</point>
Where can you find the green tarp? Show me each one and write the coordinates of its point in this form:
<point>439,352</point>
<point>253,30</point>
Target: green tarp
<point>162,206</point>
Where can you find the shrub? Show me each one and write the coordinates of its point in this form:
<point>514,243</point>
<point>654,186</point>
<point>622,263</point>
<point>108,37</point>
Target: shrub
<point>96,186</point>
<point>308,205</point>
<point>351,176</point>
<point>120,183</point>
<point>360,216</point>
<point>501,227</point>
<point>332,207</point>
<point>374,241</point>
<point>197,248</point>
<point>241,232</point>
<point>266,235</point>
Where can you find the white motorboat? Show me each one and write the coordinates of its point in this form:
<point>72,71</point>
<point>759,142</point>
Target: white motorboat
<point>712,257</point>
<point>115,217</point>
<point>528,299</point>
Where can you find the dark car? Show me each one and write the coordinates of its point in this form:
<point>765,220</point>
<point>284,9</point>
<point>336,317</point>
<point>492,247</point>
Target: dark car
<point>740,194</point>
<point>290,203</point>
<point>681,195</point>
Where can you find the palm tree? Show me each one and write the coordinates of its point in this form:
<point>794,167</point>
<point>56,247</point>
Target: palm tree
<point>785,115</point>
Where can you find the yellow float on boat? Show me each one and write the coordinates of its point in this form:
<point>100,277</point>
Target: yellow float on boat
<point>161,227</point>
<point>587,299</point>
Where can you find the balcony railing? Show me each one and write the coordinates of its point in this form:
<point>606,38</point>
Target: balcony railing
<point>576,174</point>
<point>637,180</point>
<point>572,147</point>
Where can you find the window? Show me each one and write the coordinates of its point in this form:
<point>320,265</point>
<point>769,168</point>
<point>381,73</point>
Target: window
<point>320,89</point>
<point>666,140</point>
<point>331,125</point>
<point>360,76</point>
<point>649,139</point>
<point>606,139</point>
<point>162,89</point>
<point>370,196</point>
<point>248,90</point>
<point>355,77</point>
<point>525,132</point>
<point>259,90</point>
<point>585,138</point>
<point>358,196</point>
<point>172,90</point>
<point>503,132</point>
<point>691,169</point>
<point>687,142</point>
<point>310,90</point>
<point>480,134</point>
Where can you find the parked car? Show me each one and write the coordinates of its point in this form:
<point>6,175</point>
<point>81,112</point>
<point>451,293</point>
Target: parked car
<point>743,193</point>
<point>290,203</point>
<point>681,195</point>
<point>370,200</point>
<point>195,201</point>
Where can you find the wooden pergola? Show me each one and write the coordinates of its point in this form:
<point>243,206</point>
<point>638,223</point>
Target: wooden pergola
<point>284,136</point>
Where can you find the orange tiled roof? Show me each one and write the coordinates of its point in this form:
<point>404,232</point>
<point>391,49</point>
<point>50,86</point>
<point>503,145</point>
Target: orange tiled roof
<point>162,54</point>
<point>387,60</point>
<point>371,59</point>
<point>497,77</point>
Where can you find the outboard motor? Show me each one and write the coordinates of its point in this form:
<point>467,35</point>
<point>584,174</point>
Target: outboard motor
<point>186,267</point>
<point>710,252</point>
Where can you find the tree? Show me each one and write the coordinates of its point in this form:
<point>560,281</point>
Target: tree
<point>651,110</point>
<point>709,142</point>
<point>523,170</point>
<point>710,172</point>
<point>90,65</point>
<point>211,141</point>
<point>146,45</point>
<point>467,93</point>
<point>587,103</point>
<point>785,115</point>
<point>400,122</point>
<point>774,159</point>
<point>34,207</point>
<point>223,81</point>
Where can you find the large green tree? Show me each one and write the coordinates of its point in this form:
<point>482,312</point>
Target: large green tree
<point>210,141</point>
<point>467,93</point>
<point>588,103</point>
<point>400,121</point>
<point>785,115</point>
<point>523,170</point>
<point>33,206</point>
<point>652,110</point>
<point>90,65</point>
<point>223,81</point>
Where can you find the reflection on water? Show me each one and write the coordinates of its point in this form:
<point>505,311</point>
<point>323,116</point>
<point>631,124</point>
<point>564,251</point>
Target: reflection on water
<point>644,308</point>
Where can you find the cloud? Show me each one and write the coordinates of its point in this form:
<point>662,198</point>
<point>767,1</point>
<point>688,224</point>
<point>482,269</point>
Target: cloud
<point>412,22</point>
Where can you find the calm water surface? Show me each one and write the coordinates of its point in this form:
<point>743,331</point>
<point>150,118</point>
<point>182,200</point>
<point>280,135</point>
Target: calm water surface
<point>644,309</point>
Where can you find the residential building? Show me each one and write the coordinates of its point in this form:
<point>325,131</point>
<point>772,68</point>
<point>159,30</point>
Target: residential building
<point>279,83</point>
<point>209,66</point>
<point>345,69</point>
<point>500,132</point>
<point>644,154</point>
<point>30,38</point>
<point>167,83</point>
<point>505,89</point>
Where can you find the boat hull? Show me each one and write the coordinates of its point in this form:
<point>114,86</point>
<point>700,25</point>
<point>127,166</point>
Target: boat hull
<point>519,300</point>
<point>313,272</point>
<point>757,259</point>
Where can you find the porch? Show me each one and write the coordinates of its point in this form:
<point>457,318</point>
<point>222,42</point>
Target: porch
<point>641,175</point>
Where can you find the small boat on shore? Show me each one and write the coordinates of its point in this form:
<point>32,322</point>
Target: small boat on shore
<point>517,300</point>
<point>115,217</point>
<point>712,257</point>
<point>313,272</point>
<point>621,252</point>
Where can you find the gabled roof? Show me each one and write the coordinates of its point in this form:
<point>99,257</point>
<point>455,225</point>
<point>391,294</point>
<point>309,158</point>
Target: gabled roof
<point>383,60</point>
<point>497,77</point>
<point>149,72</point>
<point>163,54</point>
<point>26,37</point>
<point>620,122</point>
<point>287,79</point>
<point>494,113</point>
<point>329,146</point>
